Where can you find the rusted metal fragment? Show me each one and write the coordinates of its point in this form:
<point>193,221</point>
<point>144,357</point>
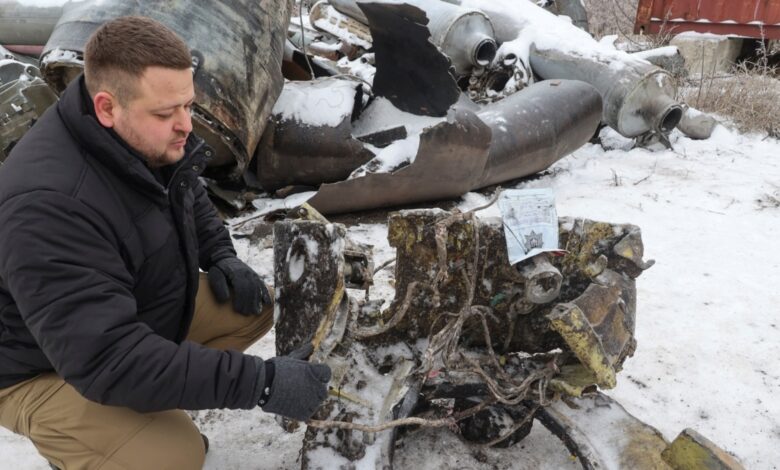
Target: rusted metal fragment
<point>411,71</point>
<point>309,281</point>
<point>692,451</point>
<point>518,324</point>
<point>622,441</point>
<point>376,356</point>
<point>311,260</point>
<point>544,280</point>
<point>599,325</point>
<point>297,148</point>
<point>449,161</point>
<point>237,78</point>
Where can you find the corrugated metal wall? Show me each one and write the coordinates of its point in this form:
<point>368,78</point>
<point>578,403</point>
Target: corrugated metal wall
<point>748,18</point>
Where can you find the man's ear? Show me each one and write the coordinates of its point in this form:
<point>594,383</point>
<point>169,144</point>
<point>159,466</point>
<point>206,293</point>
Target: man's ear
<point>105,108</point>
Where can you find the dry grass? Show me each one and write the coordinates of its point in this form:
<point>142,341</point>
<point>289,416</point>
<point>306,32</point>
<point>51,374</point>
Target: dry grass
<point>750,98</point>
<point>611,16</point>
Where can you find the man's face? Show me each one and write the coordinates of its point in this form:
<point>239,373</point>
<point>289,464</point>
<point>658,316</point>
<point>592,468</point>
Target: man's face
<point>157,121</point>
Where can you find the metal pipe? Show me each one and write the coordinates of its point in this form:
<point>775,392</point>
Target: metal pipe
<point>636,94</point>
<point>25,24</point>
<point>538,126</point>
<point>237,77</point>
<point>543,279</point>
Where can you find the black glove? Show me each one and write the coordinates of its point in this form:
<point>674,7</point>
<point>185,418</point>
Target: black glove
<point>249,291</point>
<point>293,388</point>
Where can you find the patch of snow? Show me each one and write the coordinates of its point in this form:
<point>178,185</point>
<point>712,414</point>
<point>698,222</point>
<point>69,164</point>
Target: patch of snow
<point>693,35</point>
<point>381,115</point>
<point>668,51</point>
<point>60,55</point>
<point>361,67</point>
<point>317,103</point>
<point>266,205</point>
<point>396,155</point>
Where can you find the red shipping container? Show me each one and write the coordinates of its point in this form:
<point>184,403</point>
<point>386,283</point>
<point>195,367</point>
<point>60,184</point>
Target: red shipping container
<point>738,18</point>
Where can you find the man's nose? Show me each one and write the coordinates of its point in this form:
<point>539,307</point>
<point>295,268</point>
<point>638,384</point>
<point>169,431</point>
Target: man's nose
<point>184,122</point>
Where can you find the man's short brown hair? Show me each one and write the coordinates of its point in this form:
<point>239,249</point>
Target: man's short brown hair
<point>120,50</point>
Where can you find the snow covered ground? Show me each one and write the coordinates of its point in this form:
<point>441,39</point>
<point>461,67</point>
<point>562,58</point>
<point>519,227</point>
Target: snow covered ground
<point>708,321</point>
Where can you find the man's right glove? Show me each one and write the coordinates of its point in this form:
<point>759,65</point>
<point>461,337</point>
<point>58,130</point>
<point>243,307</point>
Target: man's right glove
<point>296,388</point>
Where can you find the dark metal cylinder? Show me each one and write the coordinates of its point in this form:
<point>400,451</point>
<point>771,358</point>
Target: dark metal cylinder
<point>237,52</point>
<point>537,126</point>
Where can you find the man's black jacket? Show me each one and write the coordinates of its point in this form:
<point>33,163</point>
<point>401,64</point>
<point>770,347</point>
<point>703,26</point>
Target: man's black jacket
<point>99,269</point>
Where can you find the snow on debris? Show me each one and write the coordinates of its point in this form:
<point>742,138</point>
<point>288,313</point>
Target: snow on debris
<point>317,103</point>
<point>393,157</point>
<point>521,25</point>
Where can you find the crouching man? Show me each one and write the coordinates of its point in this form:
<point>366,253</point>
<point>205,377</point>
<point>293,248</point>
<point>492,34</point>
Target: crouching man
<point>108,330</point>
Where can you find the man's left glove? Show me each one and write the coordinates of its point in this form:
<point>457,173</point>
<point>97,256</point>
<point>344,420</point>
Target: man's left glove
<point>249,291</point>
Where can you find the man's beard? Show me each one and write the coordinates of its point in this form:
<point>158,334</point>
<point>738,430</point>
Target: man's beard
<point>153,157</point>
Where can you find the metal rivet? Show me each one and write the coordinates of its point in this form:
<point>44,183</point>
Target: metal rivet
<point>208,153</point>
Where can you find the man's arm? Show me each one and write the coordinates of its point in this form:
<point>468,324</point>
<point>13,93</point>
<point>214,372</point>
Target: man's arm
<point>74,293</point>
<point>214,241</point>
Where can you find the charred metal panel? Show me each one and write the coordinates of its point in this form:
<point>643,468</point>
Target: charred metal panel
<point>411,71</point>
<point>449,163</point>
<point>744,18</point>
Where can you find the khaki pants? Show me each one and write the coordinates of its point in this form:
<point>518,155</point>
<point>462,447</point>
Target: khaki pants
<point>74,433</point>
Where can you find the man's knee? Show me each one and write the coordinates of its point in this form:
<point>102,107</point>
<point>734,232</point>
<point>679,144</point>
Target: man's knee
<point>169,441</point>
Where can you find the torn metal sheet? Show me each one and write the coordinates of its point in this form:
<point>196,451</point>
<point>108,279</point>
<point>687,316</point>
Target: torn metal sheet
<point>537,126</point>
<point>522,133</point>
<point>411,71</point>
<point>622,442</point>
<point>449,162</point>
<point>692,451</point>
<point>308,139</point>
<point>237,79</point>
